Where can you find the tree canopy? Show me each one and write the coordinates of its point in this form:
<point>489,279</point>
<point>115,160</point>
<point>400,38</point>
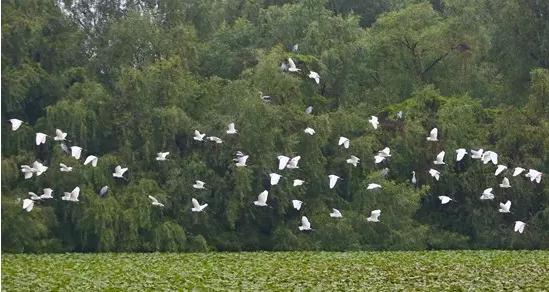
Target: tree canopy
<point>128,79</point>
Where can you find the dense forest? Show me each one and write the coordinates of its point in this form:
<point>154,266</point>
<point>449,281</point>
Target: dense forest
<point>129,79</point>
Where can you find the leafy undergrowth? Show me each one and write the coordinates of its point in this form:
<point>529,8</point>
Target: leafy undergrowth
<point>448,270</point>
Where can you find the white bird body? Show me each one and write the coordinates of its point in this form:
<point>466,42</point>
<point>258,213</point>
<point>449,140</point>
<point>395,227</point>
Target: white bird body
<point>39,168</point>
<point>378,159</point>
<point>72,196</point>
<point>292,67</point>
<point>231,129</point>
<point>353,160</point>
<point>28,204</point>
<point>500,169</point>
<point>534,175</point>
<point>40,138</point>
<point>93,160</point>
<point>103,191</point>
<point>64,168</point>
<point>198,136</point>
<point>155,202</point>
<point>440,158</point>
<point>487,194</point>
<point>309,110</point>
<point>374,216</point>
<point>373,186</point>
<point>414,180</point>
<point>518,170</point>
<point>298,182</point>
<point>434,173</point>
<point>460,153</point>
<point>385,152</point>
<point>333,180</point>
<point>197,207</point>
<point>433,135</point>
<point>162,156</point>
<point>15,124</point>
<point>34,197</point>
<point>198,184</point>
<point>505,183</point>
<point>282,161</point>
<point>76,151</point>
<point>59,135</point>
<point>297,204</point>
<point>488,156</point>
<point>343,141</point>
<point>444,199</point>
<point>305,224</point>
<point>119,171</point>
<point>262,199</point>
<point>519,226</point>
<point>309,131</point>
<point>292,164</point>
<point>315,76</point>
<point>275,178</point>
<point>47,194</point>
<point>374,121</point>
<point>505,208</point>
<point>336,213</point>
<point>241,160</point>
<point>215,139</point>
<point>477,154</point>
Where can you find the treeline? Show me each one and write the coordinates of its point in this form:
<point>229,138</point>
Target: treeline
<point>128,79</point>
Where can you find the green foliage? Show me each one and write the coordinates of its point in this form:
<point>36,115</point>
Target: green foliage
<point>128,81</point>
<point>280,271</point>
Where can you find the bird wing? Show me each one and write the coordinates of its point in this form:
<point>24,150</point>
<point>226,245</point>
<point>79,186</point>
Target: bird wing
<point>434,133</point>
<point>28,204</point>
<point>282,161</point>
<point>440,156</point>
<point>291,62</point>
<point>195,203</point>
<point>342,140</point>
<point>294,161</point>
<point>153,199</point>
<point>89,159</point>
<point>262,197</point>
<point>305,222</point>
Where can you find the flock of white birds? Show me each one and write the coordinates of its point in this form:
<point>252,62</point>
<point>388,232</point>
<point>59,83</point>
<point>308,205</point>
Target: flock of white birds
<point>284,162</point>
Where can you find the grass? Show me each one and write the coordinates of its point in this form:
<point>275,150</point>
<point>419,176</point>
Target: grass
<point>440,270</point>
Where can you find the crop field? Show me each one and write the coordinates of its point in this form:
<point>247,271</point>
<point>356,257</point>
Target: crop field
<point>447,270</point>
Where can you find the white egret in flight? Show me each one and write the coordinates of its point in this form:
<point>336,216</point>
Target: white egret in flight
<point>336,213</point>
<point>297,204</point>
<point>315,76</point>
<point>282,161</point>
<point>488,156</point>
<point>47,194</point>
<point>440,158</point>
<point>155,202</point>
<point>28,204</point>
<point>298,182</point>
<point>353,160</point>
<point>505,183</point>
<point>444,199</point>
<point>385,152</point>
<point>197,207</point>
<point>519,226</point>
<point>162,156</point>
<point>534,175</point>
<point>477,154</point>
<point>231,129</point>
<point>119,171</point>
<point>198,184</point>
<point>434,173</point>
<point>487,194</point>
<point>76,151</point>
<point>64,168</point>
<point>374,216</point>
<point>374,121</point>
<point>72,196</point>
<point>373,186</point>
<point>333,180</point>
<point>309,131</point>
<point>292,67</point>
<point>292,164</point>
<point>343,141</point>
<point>500,169</point>
<point>518,170</point>
<point>262,199</point>
<point>505,208</point>
<point>91,159</point>
<point>241,160</point>
<point>275,178</point>
<point>305,224</point>
<point>59,135</point>
<point>460,153</point>
<point>433,135</point>
<point>198,136</point>
<point>15,124</point>
<point>40,138</point>
<point>215,139</point>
